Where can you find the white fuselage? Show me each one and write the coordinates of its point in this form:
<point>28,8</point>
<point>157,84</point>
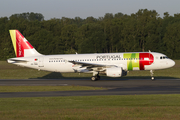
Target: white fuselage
<point>60,63</point>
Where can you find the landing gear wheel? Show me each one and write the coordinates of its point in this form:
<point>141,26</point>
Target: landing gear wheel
<point>151,72</point>
<point>93,78</point>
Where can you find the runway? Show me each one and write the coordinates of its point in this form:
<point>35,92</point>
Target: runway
<point>114,87</point>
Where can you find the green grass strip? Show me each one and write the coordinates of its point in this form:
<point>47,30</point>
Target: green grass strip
<point>92,107</point>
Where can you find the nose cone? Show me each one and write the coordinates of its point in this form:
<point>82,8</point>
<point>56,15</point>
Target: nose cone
<point>171,63</point>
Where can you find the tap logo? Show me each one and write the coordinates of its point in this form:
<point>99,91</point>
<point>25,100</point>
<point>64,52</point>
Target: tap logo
<point>137,61</point>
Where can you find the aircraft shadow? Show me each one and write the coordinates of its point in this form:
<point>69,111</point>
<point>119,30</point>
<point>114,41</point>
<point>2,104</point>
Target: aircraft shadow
<point>52,75</point>
<point>57,75</point>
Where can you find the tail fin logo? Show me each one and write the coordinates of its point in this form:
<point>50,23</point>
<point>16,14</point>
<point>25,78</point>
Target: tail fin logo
<point>19,42</point>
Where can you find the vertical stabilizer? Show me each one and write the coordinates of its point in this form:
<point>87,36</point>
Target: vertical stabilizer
<point>21,46</point>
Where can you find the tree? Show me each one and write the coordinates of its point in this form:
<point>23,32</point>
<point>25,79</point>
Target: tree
<point>68,38</point>
<point>145,22</point>
<point>28,16</point>
<point>172,40</point>
<point>90,38</point>
<point>141,31</point>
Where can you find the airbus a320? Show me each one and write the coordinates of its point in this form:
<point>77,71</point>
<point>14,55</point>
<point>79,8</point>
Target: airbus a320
<point>111,64</point>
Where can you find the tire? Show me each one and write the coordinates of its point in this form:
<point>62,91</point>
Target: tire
<point>93,78</point>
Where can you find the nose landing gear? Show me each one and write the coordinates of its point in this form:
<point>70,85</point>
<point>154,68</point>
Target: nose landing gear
<point>151,72</point>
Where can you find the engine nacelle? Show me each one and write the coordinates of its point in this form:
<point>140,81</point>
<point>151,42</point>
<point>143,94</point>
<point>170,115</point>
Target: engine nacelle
<point>114,72</point>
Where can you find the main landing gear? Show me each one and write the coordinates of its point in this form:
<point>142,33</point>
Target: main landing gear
<point>151,72</point>
<point>96,77</point>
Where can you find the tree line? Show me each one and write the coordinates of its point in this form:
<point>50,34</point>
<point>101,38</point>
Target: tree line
<point>140,31</point>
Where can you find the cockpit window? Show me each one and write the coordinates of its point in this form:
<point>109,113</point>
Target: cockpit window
<point>163,57</point>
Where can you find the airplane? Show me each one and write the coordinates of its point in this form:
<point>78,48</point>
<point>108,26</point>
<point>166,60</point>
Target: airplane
<point>110,64</point>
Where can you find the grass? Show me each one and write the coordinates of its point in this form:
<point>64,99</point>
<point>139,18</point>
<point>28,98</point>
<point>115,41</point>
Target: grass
<point>141,107</point>
<point>92,107</point>
<point>45,88</point>
<point>9,71</point>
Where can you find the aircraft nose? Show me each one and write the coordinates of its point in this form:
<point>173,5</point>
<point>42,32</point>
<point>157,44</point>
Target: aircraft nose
<point>171,63</point>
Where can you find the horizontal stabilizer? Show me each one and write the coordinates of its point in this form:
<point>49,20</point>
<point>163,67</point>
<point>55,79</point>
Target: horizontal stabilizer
<point>14,60</point>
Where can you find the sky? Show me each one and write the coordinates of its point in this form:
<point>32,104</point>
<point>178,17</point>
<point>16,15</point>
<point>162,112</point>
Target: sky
<point>86,8</point>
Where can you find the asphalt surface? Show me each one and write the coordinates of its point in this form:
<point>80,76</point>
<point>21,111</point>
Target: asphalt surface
<point>114,87</point>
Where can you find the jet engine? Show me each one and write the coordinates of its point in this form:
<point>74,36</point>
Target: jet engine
<point>114,72</point>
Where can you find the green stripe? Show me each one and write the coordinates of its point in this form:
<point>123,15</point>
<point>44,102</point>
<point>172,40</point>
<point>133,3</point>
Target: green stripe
<point>132,63</point>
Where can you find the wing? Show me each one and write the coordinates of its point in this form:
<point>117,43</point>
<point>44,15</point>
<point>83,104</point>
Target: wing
<point>92,66</point>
